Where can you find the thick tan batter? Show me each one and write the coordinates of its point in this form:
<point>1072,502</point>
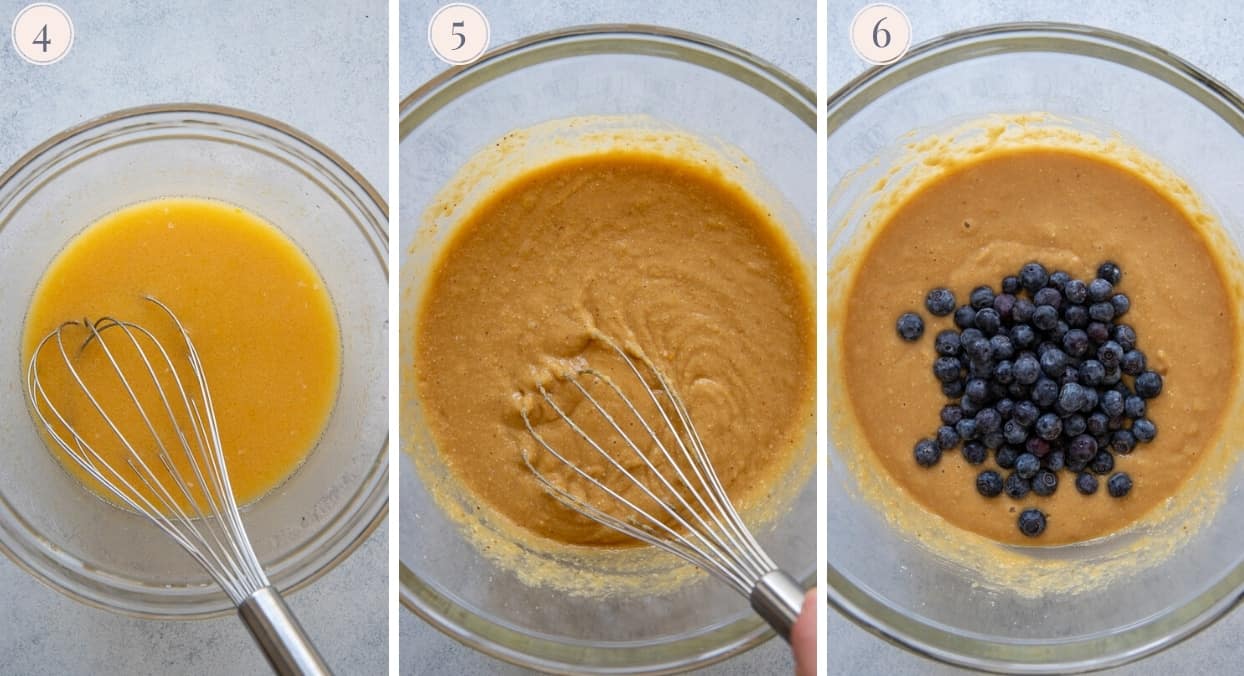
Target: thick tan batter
<point>1070,211</point>
<point>651,251</point>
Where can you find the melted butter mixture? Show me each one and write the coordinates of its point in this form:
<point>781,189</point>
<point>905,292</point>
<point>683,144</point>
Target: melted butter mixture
<point>660,254</point>
<point>255,307</point>
<point>1068,210</point>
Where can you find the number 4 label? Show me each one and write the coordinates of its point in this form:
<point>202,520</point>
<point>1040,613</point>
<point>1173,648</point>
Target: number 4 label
<point>42,33</point>
<point>458,33</point>
<point>880,34</point>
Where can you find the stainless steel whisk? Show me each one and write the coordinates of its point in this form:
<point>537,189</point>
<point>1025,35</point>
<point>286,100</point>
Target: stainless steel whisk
<point>205,521</point>
<point>694,518</point>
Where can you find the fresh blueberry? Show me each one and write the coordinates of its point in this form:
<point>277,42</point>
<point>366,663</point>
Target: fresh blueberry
<point>1045,317</point>
<point>1086,483</point>
<point>988,421</point>
<point>1004,303</point>
<point>970,335</point>
<point>1059,331</point>
<point>1076,316</point>
<point>1027,465</point>
<point>947,343</point>
<point>1022,311</point>
<point>1148,385</point>
<point>1101,312</point>
<point>974,452</point>
<point>989,483</point>
<point>1016,486</point>
<point>1037,446</point>
<point>1122,442</point>
<point>1110,354</point>
<point>1119,484</point>
<point>981,369</point>
<point>946,437</point>
<point>1004,373</point>
<point>1005,457</point>
<point>965,317</point>
<point>1049,427</point>
<point>1053,362</point>
<point>1092,372</point>
<point>1110,272</point>
<point>1134,407</point>
<point>1125,336</point>
<point>1144,430</point>
<point>1112,377</point>
<point>940,302</point>
<point>993,440</point>
<point>1027,369</point>
<point>1002,346</point>
<point>1097,332</point>
<point>1048,296</point>
<point>1058,280</point>
<point>1103,463</point>
<point>953,390</point>
<point>1013,432</point>
<point>1045,392</point>
<point>1074,425</point>
<point>1091,399</point>
<point>1133,363</point>
<point>977,390</point>
<point>927,453</point>
<point>1076,291</point>
<point>987,320</point>
<point>1005,407</point>
<point>1082,449</point>
<point>1071,375</point>
<point>947,369</point>
<point>1112,403</point>
<point>1076,343</point>
<point>1031,522</point>
<point>1033,276</point>
<point>1055,460</point>
<point>1010,284</point>
<point>1097,423</point>
<point>1100,290</point>
<point>1121,304</point>
<point>1026,413</point>
<point>966,429</point>
<point>981,298</point>
<point>1045,483</point>
<point>910,326</point>
<point>970,408</point>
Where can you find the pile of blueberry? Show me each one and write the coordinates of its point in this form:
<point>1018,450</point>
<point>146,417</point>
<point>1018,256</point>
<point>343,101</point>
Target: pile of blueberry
<point>1045,376</point>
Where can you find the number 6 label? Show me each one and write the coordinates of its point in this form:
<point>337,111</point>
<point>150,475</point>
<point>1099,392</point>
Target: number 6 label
<point>458,33</point>
<point>880,34</point>
<point>42,33</point>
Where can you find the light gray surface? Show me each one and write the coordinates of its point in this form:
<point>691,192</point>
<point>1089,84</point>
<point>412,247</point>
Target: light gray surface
<point>783,33</point>
<point>323,68</point>
<point>1207,35</point>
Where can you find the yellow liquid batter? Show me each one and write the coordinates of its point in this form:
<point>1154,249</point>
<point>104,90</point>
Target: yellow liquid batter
<point>254,305</point>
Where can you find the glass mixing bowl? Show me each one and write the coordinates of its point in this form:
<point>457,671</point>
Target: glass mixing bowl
<point>1107,84</point>
<point>703,87</point>
<point>111,558</point>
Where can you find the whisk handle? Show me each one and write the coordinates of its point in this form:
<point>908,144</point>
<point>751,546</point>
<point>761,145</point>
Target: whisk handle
<point>279,635</point>
<point>777,598</point>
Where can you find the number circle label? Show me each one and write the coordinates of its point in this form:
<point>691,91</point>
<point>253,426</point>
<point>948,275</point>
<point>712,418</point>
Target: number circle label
<point>880,34</point>
<point>42,33</point>
<point>458,33</point>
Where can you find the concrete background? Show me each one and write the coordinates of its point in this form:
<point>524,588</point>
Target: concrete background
<point>1204,33</point>
<point>783,33</point>
<point>321,66</point>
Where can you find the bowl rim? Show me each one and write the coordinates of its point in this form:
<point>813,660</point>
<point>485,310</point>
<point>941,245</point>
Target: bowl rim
<point>629,39</point>
<point>381,479</point>
<point>1152,634</point>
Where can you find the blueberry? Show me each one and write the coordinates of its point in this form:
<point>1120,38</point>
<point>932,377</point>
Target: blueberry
<point>1086,483</point>
<point>1100,290</point>
<point>1090,400</point>
<point>1058,280</point>
<point>1031,522</point>
<point>1060,330</point>
<point>927,453</point>
<point>993,440</point>
<point>946,437</point>
<point>1125,336</point>
<point>910,326</point>
<point>1121,304</point>
<point>988,421</point>
<point>965,317</point>
<point>1074,425</point>
<point>1045,483</point>
<point>947,343</point>
<point>1022,311</point>
<point>1049,427</point>
<point>1112,403</point>
<point>1004,373</point>
<point>1027,370</point>
<point>953,390</point>
<point>1027,465</point>
<point>989,483</point>
<point>1026,413</point>
<point>1110,272</point>
<point>1076,291</point>
<point>1144,430</point>
<point>1016,486</point>
<point>1004,303</point>
<point>1076,316</point>
<point>970,335</point>
<point>940,302</point>
<point>1101,312</point>
<point>966,429</point>
<point>981,298</point>
<point>1005,457</point>
<point>1071,375</point>
<point>1096,424</point>
<point>1116,423</point>
<point>1054,460</point>
<point>1004,407</point>
<point>1082,449</point>
<point>1119,485</point>
<point>1002,346</point>
<point>1148,385</point>
<point>1037,446</point>
<point>1022,336</point>
<point>947,369</point>
<point>987,320</point>
<point>981,369</point>
<point>1045,392</point>
<point>1054,362</point>
<point>970,408</point>
<point>1076,466</point>
<point>1048,296</point>
<point>1122,442</point>
<point>1133,362</point>
<point>1033,276</point>
<point>1045,317</point>
<point>1103,463</point>
<point>1076,343</point>
<point>974,452</point>
<point>1092,372</point>
<point>1112,376</point>
<point>977,390</point>
<point>1010,284</point>
<point>1134,407</point>
<point>1013,432</point>
<point>1110,354</point>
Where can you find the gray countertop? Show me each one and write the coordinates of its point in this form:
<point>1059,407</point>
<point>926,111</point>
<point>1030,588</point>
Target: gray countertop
<point>784,33</point>
<point>323,68</point>
<point>1204,33</point>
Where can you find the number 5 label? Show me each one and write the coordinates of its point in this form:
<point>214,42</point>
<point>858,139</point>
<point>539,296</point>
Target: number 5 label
<point>42,33</point>
<point>880,34</point>
<point>458,33</point>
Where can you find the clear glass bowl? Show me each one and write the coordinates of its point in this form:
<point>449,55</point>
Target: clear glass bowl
<point>703,87</point>
<point>1108,84</point>
<point>110,558</point>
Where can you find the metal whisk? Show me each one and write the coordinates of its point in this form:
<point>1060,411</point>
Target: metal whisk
<point>693,517</point>
<point>197,510</point>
